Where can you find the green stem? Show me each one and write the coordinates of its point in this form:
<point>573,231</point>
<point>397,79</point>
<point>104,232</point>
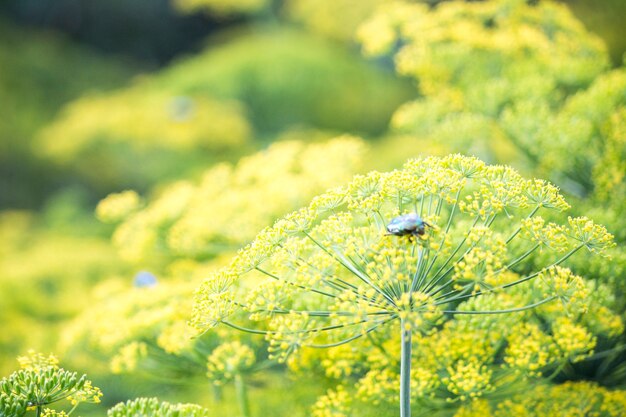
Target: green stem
<point>405,369</point>
<point>217,393</point>
<point>380,348</point>
<point>242,396</point>
<point>69,413</point>
<point>342,261</point>
<point>519,229</point>
<point>350,339</point>
<point>557,371</point>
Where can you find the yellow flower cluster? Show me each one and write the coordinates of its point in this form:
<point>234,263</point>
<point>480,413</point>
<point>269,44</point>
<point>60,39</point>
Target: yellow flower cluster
<point>115,207</point>
<point>341,361</point>
<point>194,220</point>
<point>562,283</point>
<point>331,275</point>
<point>334,404</point>
<point>142,118</point>
<point>176,337</point>
<point>228,360</point>
<point>144,329</point>
<point>142,134</point>
<point>453,363</point>
<point>53,413</point>
<point>569,399</point>
<point>528,348</point>
<point>336,19</point>
<point>88,393</point>
<point>599,317</point>
<point>502,37</point>
<point>587,126</point>
<point>609,172</point>
<point>36,360</point>
<point>473,356</point>
<point>593,236</point>
<point>128,357</point>
<point>468,379</point>
<point>573,341</point>
<point>123,318</point>
<point>231,204</point>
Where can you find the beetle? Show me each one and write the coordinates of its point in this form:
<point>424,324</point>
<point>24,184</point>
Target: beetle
<point>407,224</point>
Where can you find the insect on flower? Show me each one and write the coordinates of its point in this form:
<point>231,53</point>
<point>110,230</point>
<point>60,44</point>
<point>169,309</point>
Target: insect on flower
<point>408,224</point>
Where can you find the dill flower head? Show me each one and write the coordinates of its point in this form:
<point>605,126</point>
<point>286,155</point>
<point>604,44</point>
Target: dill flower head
<point>53,413</point>
<point>155,408</point>
<point>35,361</point>
<point>570,398</point>
<point>115,207</point>
<point>462,45</point>
<point>40,382</point>
<point>473,356</point>
<point>334,404</point>
<point>331,272</point>
<point>127,324</point>
<point>142,118</point>
<point>230,204</point>
<point>229,360</point>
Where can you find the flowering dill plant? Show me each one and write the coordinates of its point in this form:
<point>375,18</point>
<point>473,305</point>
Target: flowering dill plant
<point>152,407</point>
<point>495,79</point>
<point>329,274</point>
<point>471,358</point>
<point>39,383</point>
<point>570,398</point>
<point>239,200</point>
<point>144,331</point>
<point>521,47</point>
<point>128,325</point>
<point>148,124</point>
<point>505,80</point>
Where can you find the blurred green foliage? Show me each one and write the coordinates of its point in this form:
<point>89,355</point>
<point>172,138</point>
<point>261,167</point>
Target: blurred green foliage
<point>250,84</point>
<point>150,31</point>
<point>46,270</point>
<point>288,77</point>
<point>40,72</point>
<point>605,18</point>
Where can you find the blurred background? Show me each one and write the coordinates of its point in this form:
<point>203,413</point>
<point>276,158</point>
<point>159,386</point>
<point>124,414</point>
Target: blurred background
<point>98,97</point>
<point>54,52</point>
